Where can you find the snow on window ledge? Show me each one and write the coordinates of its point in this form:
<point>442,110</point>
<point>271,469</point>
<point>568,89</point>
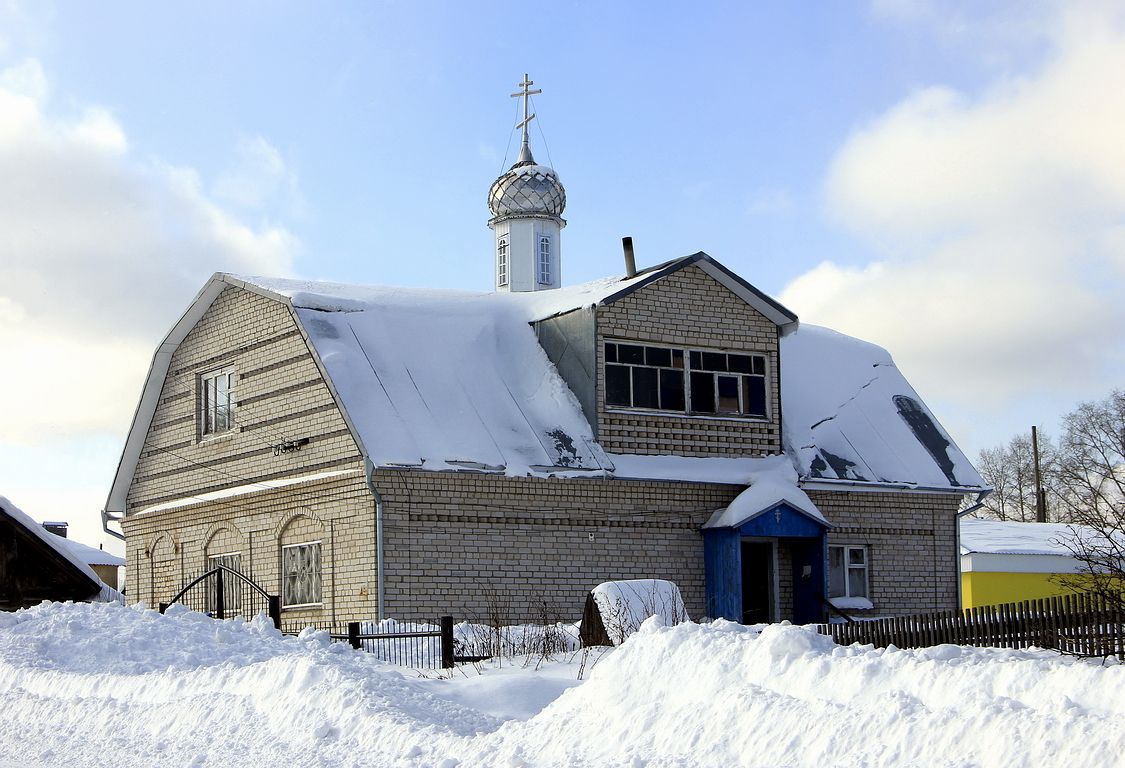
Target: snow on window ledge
<point>854,603</point>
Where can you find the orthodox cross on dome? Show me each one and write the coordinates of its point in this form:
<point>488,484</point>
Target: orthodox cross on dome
<point>526,93</point>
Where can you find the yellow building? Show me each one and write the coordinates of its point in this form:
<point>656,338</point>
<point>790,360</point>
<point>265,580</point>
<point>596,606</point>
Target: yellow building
<point>1007,562</point>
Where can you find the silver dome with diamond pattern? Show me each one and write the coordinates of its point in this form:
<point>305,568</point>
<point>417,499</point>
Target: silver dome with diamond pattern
<point>527,189</point>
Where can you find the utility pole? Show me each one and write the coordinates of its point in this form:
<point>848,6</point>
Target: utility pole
<point>1040,494</point>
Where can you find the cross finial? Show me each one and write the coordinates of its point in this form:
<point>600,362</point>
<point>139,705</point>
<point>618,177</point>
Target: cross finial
<point>526,93</point>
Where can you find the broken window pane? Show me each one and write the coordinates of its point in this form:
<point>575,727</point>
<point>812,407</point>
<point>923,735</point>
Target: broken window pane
<point>755,393</point>
<point>617,385</point>
<point>611,353</point>
<point>727,387</point>
<point>630,353</point>
<point>702,392</point>
<point>672,390</point>
<point>644,388</point>
<point>714,361</point>
<point>658,356</point>
<point>740,363</point>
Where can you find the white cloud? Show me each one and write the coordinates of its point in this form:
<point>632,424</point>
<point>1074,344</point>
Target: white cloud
<point>998,220</point>
<point>99,252</point>
<point>771,203</point>
<point>258,178</point>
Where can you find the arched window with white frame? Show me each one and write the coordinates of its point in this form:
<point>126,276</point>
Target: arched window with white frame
<point>502,260</point>
<point>544,260</point>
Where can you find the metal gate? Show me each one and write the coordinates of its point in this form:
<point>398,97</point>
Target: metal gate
<point>224,593</point>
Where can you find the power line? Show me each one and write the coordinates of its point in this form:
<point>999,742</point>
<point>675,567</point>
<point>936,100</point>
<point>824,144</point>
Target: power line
<point>539,126</point>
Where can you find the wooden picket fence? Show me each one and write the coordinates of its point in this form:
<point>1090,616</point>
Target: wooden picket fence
<point>1083,625</point>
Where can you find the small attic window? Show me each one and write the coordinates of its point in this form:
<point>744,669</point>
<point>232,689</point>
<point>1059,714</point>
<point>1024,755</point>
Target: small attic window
<point>216,405</point>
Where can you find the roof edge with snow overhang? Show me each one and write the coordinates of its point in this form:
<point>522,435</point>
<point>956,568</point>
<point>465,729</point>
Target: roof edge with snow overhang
<point>767,306</point>
<point>721,519</point>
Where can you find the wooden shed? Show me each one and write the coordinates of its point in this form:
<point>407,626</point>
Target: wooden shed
<point>36,565</point>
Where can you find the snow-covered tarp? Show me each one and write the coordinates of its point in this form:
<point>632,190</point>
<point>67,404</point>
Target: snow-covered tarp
<point>103,685</point>
<point>102,592</point>
<point>849,414</point>
<point>625,605</point>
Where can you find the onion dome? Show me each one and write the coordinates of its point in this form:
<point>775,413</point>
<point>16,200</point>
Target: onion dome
<point>527,189</point>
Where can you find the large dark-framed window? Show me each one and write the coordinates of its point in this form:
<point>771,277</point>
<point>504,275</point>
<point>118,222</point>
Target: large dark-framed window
<point>685,380</point>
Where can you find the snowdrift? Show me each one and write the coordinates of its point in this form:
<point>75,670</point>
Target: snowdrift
<point>131,687</point>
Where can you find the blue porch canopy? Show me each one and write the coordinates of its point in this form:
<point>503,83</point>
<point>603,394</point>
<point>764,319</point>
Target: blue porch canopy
<point>805,532</point>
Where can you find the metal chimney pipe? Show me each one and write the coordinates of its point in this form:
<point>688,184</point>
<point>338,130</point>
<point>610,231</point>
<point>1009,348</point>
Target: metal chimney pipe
<point>630,260</point>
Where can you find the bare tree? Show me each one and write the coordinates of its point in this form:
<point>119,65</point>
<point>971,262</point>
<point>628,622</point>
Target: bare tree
<point>1010,471</point>
<point>1091,473</point>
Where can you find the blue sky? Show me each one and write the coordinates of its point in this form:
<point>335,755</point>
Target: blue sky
<point>946,181</point>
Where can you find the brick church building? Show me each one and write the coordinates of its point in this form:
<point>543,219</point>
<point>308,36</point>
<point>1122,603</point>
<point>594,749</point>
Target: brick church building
<point>368,451</point>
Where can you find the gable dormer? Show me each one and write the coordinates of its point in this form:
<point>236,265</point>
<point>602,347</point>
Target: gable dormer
<point>682,359</point>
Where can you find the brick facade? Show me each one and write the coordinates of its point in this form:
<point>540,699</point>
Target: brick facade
<point>467,542</point>
<point>911,541</point>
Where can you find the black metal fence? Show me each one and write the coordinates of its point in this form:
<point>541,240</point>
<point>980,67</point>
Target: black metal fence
<point>224,593</point>
<point>418,645</point>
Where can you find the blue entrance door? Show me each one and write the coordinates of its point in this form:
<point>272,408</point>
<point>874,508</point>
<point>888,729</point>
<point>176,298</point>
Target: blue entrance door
<point>734,573</point>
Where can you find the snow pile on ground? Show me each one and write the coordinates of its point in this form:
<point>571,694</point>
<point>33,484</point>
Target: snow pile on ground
<point>101,685</point>
<point>625,605</point>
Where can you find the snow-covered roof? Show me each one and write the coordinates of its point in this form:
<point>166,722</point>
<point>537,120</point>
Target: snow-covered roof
<point>773,481</point>
<point>443,379</point>
<point>90,555</point>
<point>541,304</point>
<point>850,415</point>
<point>457,380</point>
<point>997,537</point>
<point>62,547</point>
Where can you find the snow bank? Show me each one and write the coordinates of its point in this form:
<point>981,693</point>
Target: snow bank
<point>625,605</point>
<point>719,694</point>
<point>129,687</point>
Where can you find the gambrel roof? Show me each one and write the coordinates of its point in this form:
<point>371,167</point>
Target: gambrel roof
<point>457,380</point>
